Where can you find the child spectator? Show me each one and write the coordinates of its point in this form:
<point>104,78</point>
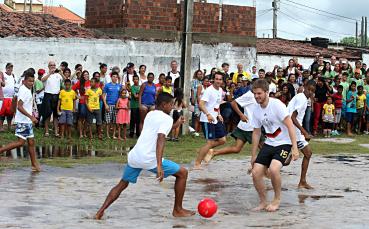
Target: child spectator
<point>328,117</point>
<point>82,85</point>
<point>123,113</point>
<point>351,107</point>
<point>179,105</point>
<point>167,87</point>
<point>93,106</point>
<point>134,124</point>
<point>161,81</point>
<point>337,99</point>
<point>360,104</point>
<point>39,90</point>
<point>66,108</point>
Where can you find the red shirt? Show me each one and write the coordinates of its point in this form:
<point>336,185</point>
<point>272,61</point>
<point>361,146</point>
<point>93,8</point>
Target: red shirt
<point>77,87</point>
<point>337,99</point>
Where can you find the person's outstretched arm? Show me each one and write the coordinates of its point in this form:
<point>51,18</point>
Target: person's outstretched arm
<point>160,143</point>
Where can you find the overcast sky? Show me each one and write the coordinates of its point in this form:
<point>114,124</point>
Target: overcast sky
<point>299,22</point>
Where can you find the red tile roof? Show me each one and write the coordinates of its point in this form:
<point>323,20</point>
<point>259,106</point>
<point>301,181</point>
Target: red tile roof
<point>299,48</point>
<point>41,25</point>
<point>6,8</point>
<point>64,13</point>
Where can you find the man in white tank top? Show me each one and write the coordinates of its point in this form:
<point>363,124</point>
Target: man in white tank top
<point>8,85</point>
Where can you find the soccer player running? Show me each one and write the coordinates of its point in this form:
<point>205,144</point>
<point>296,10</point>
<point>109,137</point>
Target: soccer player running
<point>210,118</point>
<point>296,108</point>
<point>280,143</point>
<point>148,154</point>
<point>243,132</point>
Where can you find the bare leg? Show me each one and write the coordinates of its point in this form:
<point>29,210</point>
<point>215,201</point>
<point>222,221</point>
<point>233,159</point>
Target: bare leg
<point>47,121</point>
<point>32,154</point>
<point>112,196</point>
<point>114,130</point>
<point>90,130</point>
<point>9,121</point>
<point>55,121</point>
<point>179,189</point>
<point>62,130</point>
<point>205,149</point>
<point>197,125</point>
<point>143,112</point>
<point>1,125</point>
<point>124,131</point>
<point>20,142</point>
<point>349,132</point>
<point>80,128</point>
<point>99,130</point>
<point>107,130</point>
<point>258,178</point>
<point>119,137</point>
<point>226,150</point>
<point>304,167</point>
<point>69,131</point>
<point>274,169</point>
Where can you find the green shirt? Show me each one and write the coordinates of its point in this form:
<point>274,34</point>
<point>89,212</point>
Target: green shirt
<point>134,90</point>
<point>346,87</point>
<point>329,75</point>
<point>38,85</point>
<point>358,81</point>
<point>366,88</point>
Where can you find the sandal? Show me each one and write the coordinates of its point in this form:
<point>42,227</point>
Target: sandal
<point>46,134</point>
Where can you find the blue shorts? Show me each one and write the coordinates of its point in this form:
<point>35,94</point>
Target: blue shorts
<point>66,117</point>
<point>130,174</point>
<point>24,131</point>
<point>82,110</point>
<point>213,131</point>
<point>350,116</point>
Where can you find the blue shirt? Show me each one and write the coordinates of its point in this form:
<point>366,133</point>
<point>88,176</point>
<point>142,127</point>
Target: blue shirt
<point>112,92</point>
<point>367,102</point>
<point>351,106</point>
<point>240,91</point>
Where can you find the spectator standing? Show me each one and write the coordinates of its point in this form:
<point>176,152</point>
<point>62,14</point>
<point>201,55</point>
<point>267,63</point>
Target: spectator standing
<point>134,124</point>
<point>66,108</point>
<point>93,106</point>
<point>142,74</point>
<point>322,89</point>
<point>146,98</point>
<point>7,87</point>
<point>175,74</point>
<point>39,91</point>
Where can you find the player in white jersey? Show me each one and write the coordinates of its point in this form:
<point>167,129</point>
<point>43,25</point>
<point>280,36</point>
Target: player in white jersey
<point>296,108</point>
<point>280,144</point>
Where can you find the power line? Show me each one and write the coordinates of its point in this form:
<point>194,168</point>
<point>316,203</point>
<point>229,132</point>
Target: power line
<point>313,26</point>
<point>337,15</point>
<point>314,12</point>
<point>262,14</point>
<point>294,34</point>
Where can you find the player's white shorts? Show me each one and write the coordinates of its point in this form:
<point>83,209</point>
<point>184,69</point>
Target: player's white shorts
<point>301,141</point>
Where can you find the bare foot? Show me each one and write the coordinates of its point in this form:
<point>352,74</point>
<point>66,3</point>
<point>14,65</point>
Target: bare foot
<point>36,168</point>
<point>99,215</point>
<point>304,185</point>
<point>183,213</point>
<point>273,206</point>
<point>209,156</point>
<point>261,207</point>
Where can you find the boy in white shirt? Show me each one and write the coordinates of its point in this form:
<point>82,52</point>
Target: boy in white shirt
<point>280,142</point>
<point>296,108</point>
<point>148,154</point>
<point>210,118</point>
<point>24,121</point>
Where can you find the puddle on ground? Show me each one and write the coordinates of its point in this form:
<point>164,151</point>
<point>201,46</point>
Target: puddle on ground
<point>72,151</point>
<point>69,198</point>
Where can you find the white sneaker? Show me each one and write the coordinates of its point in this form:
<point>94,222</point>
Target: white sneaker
<point>196,134</point>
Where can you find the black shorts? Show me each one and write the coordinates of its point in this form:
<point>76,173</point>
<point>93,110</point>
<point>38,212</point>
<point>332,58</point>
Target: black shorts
<point>176,115</point>
<point>280,153</point>
<point>213,131</point>
<point>50,105</point>
<point>328,125</point>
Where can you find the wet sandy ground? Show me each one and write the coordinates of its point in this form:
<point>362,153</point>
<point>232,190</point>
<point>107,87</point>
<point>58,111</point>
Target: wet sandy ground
<point>68,198</point>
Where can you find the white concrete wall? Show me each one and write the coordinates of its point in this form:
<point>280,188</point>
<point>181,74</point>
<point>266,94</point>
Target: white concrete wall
<point>36,52</point>
<point>366,58</point>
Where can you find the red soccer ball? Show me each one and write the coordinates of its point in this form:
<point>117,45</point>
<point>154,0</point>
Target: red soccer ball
<point>207,207</point>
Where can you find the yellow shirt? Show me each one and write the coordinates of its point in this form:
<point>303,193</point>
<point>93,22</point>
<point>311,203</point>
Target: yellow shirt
<point>360,102</point>
<point>168,90</point>
<point>236,74</point>
<point>93,100</point>
<point>328,109</point>
<point>67,99</point>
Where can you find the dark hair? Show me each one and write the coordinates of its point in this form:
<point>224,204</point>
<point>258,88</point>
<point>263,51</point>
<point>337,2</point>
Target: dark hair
<point>353,83</point>
<point>28,74</point>
<point>329,97</point>
<point>67,70</point>
<point>114,74</point>
<point>8,65</point>
<point>360,87</point>
<point>161,74</point>
<point>345,73</point>
<point>31,70</point>
<point>142,65</point>
<point>321,79</point>
<point>102,65</point>
<point>168,78</point>
<point>340,87</point>
<point>205,78</point>
<point>67,81</point>
<point>95,73</point>
<point>261,70</point>
<point>219,73</point>
<point>64,64</point>
<point>178,96</point>
<point>82,82</point>
<point>163,98</point>
<point>77,66</point>
<point>95,80</point>
<point>225,64</point>
<point>151,74</point>
<point>135,76</point>
<point>262,84</point>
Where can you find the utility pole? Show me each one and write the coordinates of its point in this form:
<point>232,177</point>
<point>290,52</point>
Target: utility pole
<point>24,6</point>
<point>357,34</point>
<point>30,6</point>
<point>186,58</point>
<point>362,31</point>
<point>366,32</point>
<point>275,8</point>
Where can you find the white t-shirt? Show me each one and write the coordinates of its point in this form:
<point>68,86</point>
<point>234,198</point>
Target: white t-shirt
<point>25,95</point>
<point>247,101</point>
<point>212,98</point>
<point>272,87</point>
<point>143,154</point>
<point>298,103</point>
<point>174,75</point>
<point>106,79</point>
<point>53,83</point>
<point>8,90</point>
<point>271,118</point>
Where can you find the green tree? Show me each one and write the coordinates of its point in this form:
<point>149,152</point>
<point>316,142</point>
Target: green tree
<point>352,41</point>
